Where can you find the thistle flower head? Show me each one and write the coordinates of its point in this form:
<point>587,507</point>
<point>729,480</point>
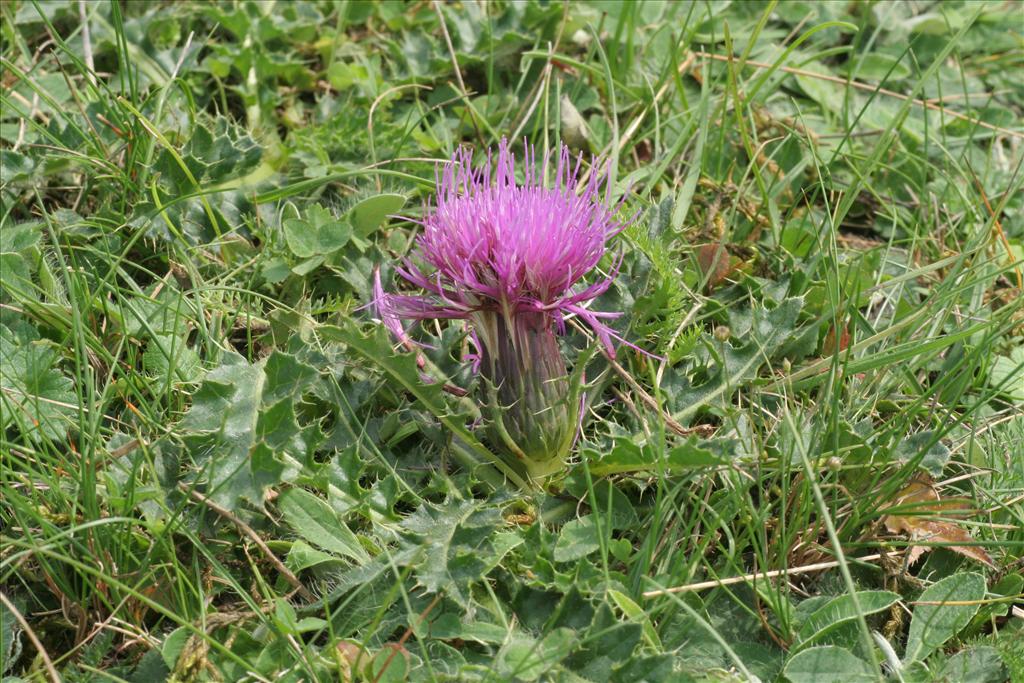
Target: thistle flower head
<point>497,244</point>
<point>508,256</point>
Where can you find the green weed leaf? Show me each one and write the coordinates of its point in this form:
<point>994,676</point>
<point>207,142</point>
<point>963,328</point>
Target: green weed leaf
<point>919,448</point>
<point>578,539</point>
<point>371,213</point>
<point>828,664</point>
<point>976,664</point>
<point>525,658</point>
<point>314,520</point>
<point>942,610</point>
<point>34,394</point>
<point>317,234</point>
<point>840,611</point>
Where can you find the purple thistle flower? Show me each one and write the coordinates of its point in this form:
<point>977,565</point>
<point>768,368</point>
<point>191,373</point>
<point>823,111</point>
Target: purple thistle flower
<point>507,256</point>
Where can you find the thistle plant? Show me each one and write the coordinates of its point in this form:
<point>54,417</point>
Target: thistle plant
<point>508,257</point>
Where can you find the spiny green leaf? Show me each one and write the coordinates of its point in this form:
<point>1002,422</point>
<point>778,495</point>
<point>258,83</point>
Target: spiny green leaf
<point>376,347</point>
<point>242,428</point>
<point>629,456</point>
<point>665,302</point>
<point>10,635</point>
<point>608,639</point>
<point>456,545</point>
<point>761,331</point>
<point>214,153</point>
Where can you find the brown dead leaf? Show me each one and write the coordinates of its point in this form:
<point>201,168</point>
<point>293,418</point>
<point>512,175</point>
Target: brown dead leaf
<point>716,263</point>
<point>520,519</point>
<point>828,347</point>
<point>921,503</point>
<point>350,657</point>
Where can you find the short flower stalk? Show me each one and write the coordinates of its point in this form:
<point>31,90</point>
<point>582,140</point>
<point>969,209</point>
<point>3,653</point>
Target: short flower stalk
<point>507,257</point>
